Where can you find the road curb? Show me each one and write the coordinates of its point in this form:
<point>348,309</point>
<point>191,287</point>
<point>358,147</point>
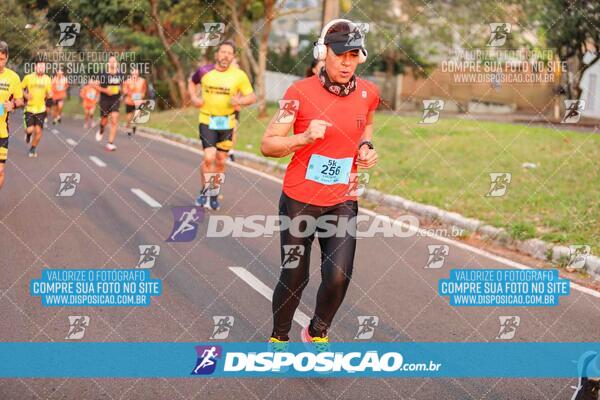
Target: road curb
<point>536,248</point>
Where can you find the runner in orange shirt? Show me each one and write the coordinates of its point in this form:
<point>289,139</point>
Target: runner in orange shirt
<point>135,89</point>
<point>89,96</point>
<point>59,93</point>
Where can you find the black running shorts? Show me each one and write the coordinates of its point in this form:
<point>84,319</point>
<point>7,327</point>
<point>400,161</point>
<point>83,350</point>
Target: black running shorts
<point>221,139</point>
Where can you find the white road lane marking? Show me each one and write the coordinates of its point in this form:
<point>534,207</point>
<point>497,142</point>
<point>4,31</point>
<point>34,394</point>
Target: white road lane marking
<point>71,142</point>
<point>453,242</point>
<point>146,198</point>
<point>97,161</point>
<point>301,318</point>
<point>55,131</point>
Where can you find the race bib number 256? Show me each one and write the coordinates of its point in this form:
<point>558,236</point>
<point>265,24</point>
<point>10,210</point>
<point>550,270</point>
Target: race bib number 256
<point>329,171</point>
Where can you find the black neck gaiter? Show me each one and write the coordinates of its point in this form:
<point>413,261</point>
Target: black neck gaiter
<point>339,89</point>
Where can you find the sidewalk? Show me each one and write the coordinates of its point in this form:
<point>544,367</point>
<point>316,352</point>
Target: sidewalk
<point>536,248</point>
<point>584,125</point>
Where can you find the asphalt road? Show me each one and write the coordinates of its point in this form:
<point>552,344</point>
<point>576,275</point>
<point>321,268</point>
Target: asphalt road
<point>104,222</point>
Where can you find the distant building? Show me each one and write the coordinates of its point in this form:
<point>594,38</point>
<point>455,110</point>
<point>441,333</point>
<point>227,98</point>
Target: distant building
<point>590,86</point>
<point>296,31</point>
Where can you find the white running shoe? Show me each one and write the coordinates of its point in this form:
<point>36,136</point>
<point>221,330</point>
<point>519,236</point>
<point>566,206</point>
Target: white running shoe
<point>99,136</point>
<point>110,147</point>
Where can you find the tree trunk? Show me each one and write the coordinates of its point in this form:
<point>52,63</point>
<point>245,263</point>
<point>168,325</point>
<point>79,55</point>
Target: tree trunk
<point>331,10</point>
<point>164,76</point>
<point>247,61</point>
<point>258,67</point>
<point>243,58</point>
<point>390,62</point>
<point>179,77</point>
<point>263,48</point>
<point>581,68</point>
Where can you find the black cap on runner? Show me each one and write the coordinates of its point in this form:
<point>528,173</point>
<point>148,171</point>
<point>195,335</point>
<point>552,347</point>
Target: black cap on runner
<point>343,42</point>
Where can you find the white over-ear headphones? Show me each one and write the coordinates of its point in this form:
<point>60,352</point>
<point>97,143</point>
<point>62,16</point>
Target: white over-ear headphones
<point>320,49</point>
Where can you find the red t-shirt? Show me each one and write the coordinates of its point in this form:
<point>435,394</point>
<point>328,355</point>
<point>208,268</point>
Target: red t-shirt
<point>348,116</point>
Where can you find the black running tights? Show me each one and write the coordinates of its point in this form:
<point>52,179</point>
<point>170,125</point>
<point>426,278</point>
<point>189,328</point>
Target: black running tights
<point>337,259</point>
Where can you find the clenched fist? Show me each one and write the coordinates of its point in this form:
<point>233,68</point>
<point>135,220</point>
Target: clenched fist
<point>366,157</point>
<point>316,130</point>
<point>197,101</point>
<point>9,106</point>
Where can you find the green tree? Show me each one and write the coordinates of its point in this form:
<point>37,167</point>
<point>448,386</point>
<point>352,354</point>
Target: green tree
<point>572,28</point>
<point>98,18</point>
<point>242,23</point>
<point>393,37</point>
<point>23,31</point>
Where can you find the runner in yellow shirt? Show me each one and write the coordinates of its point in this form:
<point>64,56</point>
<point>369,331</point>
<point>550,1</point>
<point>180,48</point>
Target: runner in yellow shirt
<point>217,104</point>
<point>236,113</point>
<point>36,88</point>
<point>11,97</point>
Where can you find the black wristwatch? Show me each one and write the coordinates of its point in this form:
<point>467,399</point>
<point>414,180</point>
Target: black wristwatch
<point>367,142</point>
